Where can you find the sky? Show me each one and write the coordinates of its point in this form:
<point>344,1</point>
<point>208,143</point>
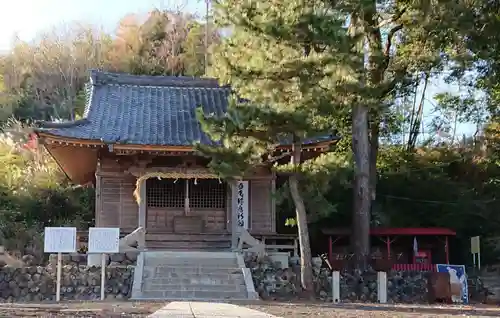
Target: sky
<point>25,19</point>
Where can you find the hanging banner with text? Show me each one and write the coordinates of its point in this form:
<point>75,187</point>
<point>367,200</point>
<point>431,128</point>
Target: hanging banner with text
<point>242,204</point>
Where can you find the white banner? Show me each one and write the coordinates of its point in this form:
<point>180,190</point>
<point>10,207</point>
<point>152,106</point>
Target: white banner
<point>242,204</point>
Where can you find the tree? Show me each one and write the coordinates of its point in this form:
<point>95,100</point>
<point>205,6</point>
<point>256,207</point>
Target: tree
<point>280,70</point>
<point>166,43</point>
<point>46,78</point>
<point>305,58</point>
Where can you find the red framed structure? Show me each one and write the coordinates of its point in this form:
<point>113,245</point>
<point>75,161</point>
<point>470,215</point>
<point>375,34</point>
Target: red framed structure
<point>422,259</point>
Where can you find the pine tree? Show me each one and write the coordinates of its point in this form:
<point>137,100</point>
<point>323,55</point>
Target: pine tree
<point>285,64</point>
<point>300,65</point>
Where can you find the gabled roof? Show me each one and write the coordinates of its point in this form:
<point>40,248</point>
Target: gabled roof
<point>144,110</point>
<point>148,111</point>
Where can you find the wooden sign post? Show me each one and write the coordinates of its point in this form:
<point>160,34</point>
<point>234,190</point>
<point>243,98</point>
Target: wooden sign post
<point>59,240</point>
<point>104,240</point>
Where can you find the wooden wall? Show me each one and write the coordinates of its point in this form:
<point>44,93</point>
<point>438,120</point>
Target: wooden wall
<point>115,203</point>
<point>261,218</point>
<point>165,218</point>
<point>116,206</point>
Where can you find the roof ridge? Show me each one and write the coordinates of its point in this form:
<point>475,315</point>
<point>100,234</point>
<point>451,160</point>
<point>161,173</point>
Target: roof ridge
<point>109,78</point>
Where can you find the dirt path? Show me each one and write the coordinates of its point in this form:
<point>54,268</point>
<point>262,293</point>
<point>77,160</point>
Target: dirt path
<point>81,309</point>
<point>287,310</point>
<point>372,310</point>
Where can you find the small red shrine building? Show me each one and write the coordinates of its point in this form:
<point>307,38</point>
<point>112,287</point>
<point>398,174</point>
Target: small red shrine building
<point>411,249</point>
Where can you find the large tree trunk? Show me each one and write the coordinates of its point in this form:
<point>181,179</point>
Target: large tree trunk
<point>362,190</point>
<point>306,273</point>
<point>374,146</point>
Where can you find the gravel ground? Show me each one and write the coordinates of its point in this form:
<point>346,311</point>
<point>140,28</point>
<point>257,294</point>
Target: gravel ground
<point>81,309</point>
<point>372,310</point>
<point>287,310</point>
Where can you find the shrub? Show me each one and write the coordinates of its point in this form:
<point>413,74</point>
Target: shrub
<point>34,193</point>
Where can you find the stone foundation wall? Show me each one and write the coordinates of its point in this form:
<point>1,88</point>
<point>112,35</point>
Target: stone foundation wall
<point>77,259</point>
<point>273,283</point>
<point>37,283</point>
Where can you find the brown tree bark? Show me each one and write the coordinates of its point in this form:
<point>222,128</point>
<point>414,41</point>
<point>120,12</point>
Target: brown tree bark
<point>306,273</point>
<point>366,126</point>
<point>374,146</point>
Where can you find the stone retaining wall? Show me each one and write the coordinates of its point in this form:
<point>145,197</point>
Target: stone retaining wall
<point>284,284</point>
<point>119,259</point>
<point>37,283</point>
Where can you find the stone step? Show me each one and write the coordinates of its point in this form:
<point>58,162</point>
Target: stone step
<point>155,235</point>
<point>191,259</point>
<point>214,277</point>
<point>194,295</point>
<point>229,280</point>
<point>150,286</point>
<point>164,263</point>
<point>188,271</point>
<point>190,245</point>
<point>191,254</point>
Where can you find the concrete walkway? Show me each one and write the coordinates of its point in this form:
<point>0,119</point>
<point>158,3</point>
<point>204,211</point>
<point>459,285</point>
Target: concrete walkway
<point>185,309</point>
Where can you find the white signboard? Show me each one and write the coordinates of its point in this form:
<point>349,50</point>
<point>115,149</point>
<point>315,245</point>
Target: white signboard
<point>60,240</point>
<point>104,240</point>
<point>242,204</point>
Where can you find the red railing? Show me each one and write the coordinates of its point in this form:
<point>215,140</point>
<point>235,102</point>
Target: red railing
<point>414,267</point>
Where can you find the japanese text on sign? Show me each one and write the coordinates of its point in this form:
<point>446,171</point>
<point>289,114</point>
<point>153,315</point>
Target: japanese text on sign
<point>242,204</point>
<point>60,240</point>
<point>104,240</point>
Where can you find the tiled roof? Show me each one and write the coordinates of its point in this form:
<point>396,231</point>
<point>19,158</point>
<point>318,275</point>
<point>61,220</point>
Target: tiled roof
<point>145,110</point>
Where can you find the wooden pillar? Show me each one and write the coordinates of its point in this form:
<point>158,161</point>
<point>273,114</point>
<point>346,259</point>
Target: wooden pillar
<point>186,198</point>
<point>98,187</point>
<point>330,249</point>
<point>142,207</point>
<point>447,250</point>
<point>388,243</point>
<point>273,203</point>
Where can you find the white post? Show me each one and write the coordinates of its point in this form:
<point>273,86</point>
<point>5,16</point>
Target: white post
<point>474,259</point>
<point>382,287</point>
<point>336,287</point>
<point>58,276</point>
<point>479,260</point>
<point>103,275</point>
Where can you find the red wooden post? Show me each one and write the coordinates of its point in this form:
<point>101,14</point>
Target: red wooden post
<point>388,243</point>
<point>446,250</point>
<point>330,249</point>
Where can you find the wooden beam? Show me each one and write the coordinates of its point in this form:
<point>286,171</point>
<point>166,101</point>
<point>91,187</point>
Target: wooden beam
<point>98,190</point>
<point>188,172</point>
<point>142,221</point>
<point>273,202</point>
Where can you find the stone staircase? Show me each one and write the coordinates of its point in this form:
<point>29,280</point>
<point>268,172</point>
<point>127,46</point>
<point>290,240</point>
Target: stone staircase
<point>191,275</point>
